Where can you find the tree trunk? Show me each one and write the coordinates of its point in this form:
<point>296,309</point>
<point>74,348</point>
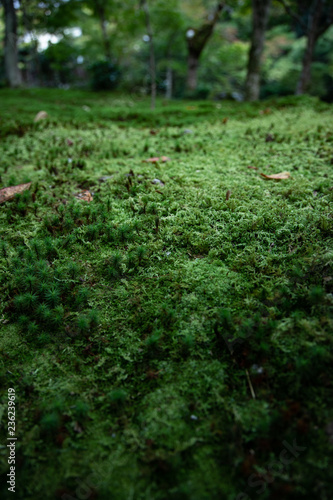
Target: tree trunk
<point>260,13</point>
<point>305,77</point>
<point>192,70</point>
<point>312,37</point>
<point>13,74</point>
<point>152,62</point>
<point>320,19</point>
<point>169,82</point>
<point>196,42</point>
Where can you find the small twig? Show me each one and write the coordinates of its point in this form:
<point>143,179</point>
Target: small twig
<point>250,384</point>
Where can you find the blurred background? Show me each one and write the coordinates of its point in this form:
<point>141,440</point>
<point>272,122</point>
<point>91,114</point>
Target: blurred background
<point>239,49</point>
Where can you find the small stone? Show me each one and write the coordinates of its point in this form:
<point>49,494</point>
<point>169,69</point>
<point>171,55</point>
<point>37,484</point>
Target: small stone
<point>157,181</point>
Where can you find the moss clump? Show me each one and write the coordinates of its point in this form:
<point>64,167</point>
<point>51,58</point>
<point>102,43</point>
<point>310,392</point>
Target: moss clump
<point>137,328</point>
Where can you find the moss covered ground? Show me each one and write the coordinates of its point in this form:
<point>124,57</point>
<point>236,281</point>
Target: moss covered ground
<point>172,338</point>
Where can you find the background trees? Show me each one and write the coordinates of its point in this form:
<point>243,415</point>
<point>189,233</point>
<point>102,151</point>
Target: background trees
<point>197,39</point>
<point>246,48</point>
<point>260,13</point>
<point>13,74</point>
<point>312,18</point>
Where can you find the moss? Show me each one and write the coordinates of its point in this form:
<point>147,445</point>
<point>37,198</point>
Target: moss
<point>138,319</point>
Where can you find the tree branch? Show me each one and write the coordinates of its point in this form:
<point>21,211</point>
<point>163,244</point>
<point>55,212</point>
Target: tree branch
<point>293,14</point>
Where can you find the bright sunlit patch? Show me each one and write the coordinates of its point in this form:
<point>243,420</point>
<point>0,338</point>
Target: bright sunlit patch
<point>74,32</point>
<point>190,33</point>
<point>43,40</point>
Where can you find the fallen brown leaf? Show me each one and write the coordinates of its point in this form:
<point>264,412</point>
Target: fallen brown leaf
<point>228,194</point>
<point>224,121</point>
<point>266,111</point>
<point>84,196</point>
<point>9,192</point>
<point>253,168</point>
<point>42,115</point>
<point>151,160</point>
<point>151,374</point>
<point>282,175</point>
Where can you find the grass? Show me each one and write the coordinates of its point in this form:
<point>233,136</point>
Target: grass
<point>136,328</point>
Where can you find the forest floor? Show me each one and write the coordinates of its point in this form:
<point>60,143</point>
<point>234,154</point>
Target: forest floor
<point>172,337</point>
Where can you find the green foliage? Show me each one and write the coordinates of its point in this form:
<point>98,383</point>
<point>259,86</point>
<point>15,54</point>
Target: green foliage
<point>83,324</point>
<point>117,396</point>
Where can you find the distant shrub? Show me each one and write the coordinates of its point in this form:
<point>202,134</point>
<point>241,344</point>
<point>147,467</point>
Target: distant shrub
<point>201,93</point>
<point>105,75</point>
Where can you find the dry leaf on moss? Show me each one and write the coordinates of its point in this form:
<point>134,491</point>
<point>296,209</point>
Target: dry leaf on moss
<point>282,175</point>
<point>9,192</point>
<point>156,159</point>
<point>151,160</point>
<point>42,115</point>
<point>266,111</point>
<point>84,196</point>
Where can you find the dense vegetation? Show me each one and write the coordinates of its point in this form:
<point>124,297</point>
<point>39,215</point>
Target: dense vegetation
<point>104,44</point>
<point>173,336</point>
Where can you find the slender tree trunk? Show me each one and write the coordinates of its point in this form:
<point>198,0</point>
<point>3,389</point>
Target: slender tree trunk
<point>196,42</point>
<point>260,13</point>
<point>152,62</point>
<point>13,74</point>
<point>106,40</point>
<point>33,73</point>
<point>169,82</point>
<point>320,19</point>
<point>312,37</point>
<point>305,77</point>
